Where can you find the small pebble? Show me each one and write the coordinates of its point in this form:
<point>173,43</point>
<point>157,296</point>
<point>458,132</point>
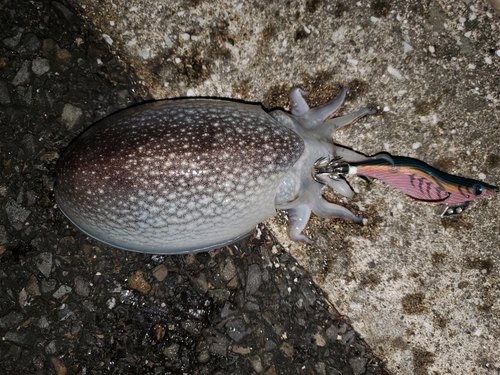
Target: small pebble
<point>219,349</point>
<point>394,72</point>
<point>319,339</point>
<point>407,48</point>
<point>233,284</point>
<point>160,272</point>
<point>32,287</point>
<point>62,291</point>
<point>320,368</point>
<point>228,269</point>
<point>15,212</point>
<point>168,41</point>
<point>241,350</point>
<point>51,348</point>
<point>254,279</point>
<point>137,282</point>
<point>256,363</point>
<point>287,349</point>
<point>358,365</point>
<point>11,320</point>
<point>44,263</point>
<point>70,115</point>
<point>200,281</point>
<point>63,57</point>
<point>111,303</point>
<point>237,329</point>
<point>144,53</point>
<point>48,285</point>
<point>18,337</point>
<point>159,332</point>
<point>4,94</point>
<point>22,76</point>
<point>107,39</point>
<point>270,345</point>
<point>171,351</point>
<point>13,41</point>
<point>23,298</point>
<point>59,367</point>
<point>204,356</point>
<point>81,286</point>
<point>40,66</point>
<point>43,322</point>
<point>49,156</point>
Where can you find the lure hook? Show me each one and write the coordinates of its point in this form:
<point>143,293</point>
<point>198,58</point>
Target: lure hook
<point>332,169</point>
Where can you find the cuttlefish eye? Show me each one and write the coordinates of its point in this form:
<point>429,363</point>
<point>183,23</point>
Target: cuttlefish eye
<point>478,190</point>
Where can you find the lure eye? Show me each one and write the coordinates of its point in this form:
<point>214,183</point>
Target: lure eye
<point>478,190</point>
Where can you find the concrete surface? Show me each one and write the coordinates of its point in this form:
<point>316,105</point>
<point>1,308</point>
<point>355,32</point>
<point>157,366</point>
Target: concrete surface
<point>423,291</point>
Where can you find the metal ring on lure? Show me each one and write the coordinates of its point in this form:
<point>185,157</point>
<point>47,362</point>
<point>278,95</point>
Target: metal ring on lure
<point>179,176</point>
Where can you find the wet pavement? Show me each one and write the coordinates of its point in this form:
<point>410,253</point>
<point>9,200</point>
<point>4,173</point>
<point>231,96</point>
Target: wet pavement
<point>71,305</point>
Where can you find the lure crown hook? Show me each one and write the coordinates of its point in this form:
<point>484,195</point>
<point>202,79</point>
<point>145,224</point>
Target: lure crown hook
<point>332,169</point>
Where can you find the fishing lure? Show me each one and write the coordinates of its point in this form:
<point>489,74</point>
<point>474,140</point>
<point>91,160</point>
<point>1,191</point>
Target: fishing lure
<point>413,177</point>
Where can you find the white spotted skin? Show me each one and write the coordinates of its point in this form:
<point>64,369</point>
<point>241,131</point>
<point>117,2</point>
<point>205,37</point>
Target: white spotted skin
<point>180,176</point>
<point>176,176</point>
